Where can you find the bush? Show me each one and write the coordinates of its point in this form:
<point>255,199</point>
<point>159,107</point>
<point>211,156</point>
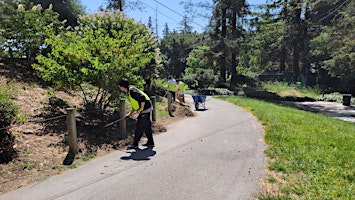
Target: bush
<point>8,110</point>
<point>205,77</point>
<point>101,50</point>
<point>333,97</point>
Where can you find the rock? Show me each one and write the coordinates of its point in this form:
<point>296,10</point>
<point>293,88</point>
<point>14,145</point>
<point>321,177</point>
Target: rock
<point>28,131</point>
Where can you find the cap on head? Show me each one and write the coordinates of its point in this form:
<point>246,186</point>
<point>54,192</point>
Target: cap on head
<point>124,83</point>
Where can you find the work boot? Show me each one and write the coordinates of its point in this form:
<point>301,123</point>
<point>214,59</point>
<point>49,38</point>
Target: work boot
<point>132,146</point>
<point>148,145</point>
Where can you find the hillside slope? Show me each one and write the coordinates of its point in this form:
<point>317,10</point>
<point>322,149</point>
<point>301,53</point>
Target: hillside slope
<point>41,141</point>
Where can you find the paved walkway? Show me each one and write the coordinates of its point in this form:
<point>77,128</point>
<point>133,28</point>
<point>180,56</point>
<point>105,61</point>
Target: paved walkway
<point>218,154</point>
<point>333,109</point>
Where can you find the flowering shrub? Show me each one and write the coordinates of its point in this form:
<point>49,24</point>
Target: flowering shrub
<point>8,111</point>
<point>101,50</point>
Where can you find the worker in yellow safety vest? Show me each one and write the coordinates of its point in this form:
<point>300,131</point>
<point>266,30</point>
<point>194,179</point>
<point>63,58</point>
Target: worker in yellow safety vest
<point>141,104</point>
<point>181,88</point>
<point>172,85</point>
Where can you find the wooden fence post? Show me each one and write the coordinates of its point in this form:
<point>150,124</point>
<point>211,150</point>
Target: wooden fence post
<point>154,113</point>
<point>169,102</point>
<point>72,133</point>
<point>123,127</point>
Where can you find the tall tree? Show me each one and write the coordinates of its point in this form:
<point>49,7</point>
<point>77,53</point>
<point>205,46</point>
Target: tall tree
<point>176,48</point>
<point>238,11</point>
<point>295,23</point>
<point>122,5</point>
<point>218,33</point>
<point>226,29</point>
<point>150,23</point>
<point>334,47</point>
<point>166,30</point>
<point>283,49</point>
<point>185,23</point>
<point>116,4</point>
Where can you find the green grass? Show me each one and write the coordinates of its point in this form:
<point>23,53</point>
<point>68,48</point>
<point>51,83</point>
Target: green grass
<point>313,153</point>
<point>285,89</point>
<point>161,108</point>
<point>28,165</point>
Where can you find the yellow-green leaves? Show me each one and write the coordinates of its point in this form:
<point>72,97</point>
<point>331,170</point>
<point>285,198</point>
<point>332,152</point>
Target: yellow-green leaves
<point>103,48</point>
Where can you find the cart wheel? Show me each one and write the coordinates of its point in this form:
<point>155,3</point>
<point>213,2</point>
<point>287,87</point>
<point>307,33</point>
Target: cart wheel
<point>196,105</point>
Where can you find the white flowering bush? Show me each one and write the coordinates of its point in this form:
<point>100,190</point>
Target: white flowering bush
<point>21,31</point>
<point>102,49</point>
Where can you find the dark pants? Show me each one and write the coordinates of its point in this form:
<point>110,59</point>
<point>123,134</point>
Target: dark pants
<point>144,125</point>
<point>173,93</point>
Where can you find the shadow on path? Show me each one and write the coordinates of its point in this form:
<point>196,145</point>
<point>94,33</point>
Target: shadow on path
<point>140,154</point>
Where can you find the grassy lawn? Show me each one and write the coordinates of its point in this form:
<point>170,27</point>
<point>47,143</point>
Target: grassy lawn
<point>284,89</point>
<point>312,156</point>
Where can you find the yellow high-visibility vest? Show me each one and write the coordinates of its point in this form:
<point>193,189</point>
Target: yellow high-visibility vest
<point>171,86</point>
<point>182,86</point>
<point>135,103</point>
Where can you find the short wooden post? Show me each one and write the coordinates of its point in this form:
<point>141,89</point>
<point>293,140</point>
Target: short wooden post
<point>72,133</point>
<point>154,113</point>
<point>169,102</point>
<point>123,127</point>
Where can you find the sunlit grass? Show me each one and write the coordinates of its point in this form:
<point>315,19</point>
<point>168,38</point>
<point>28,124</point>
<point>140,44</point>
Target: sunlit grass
<point>285,89</point>
<point>313,153</point>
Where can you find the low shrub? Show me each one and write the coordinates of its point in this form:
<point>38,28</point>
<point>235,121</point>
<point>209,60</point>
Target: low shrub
<point>8,111</point>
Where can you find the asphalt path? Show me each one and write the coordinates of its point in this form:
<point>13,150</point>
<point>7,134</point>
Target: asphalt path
<point>217,154</point>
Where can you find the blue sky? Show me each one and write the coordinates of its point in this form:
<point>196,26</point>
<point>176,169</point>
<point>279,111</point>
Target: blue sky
<point>165,11</point>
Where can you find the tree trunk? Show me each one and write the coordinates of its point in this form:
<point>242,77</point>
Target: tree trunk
<point>297,30</point>
<point>283,58</point>
<point>223,46</point>
<point>283,50</point>
<point>233,69</point>
<point>305,44</point>
<point>296,61</point>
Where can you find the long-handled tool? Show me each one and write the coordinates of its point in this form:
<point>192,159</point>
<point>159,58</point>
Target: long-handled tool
<point>111,123</point>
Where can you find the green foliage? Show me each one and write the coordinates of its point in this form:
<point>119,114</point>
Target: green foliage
<point>68,10</point>
<point>304,37</point>
<point>205,77</point>
<point>102,49</point>
<point>8,111</point>
<point>201,57</point>
<point>333,97</point>
<point>340,44</point>
<point>265,46</point>
<point>28,166</point>
<point>88,157</point>
<point>313,153</point>
<point>176,48</point>
<point>200,67</point>
<point>25,38</point>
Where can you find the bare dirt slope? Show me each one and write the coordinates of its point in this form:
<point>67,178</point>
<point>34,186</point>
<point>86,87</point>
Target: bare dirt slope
<point>41,141</point>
